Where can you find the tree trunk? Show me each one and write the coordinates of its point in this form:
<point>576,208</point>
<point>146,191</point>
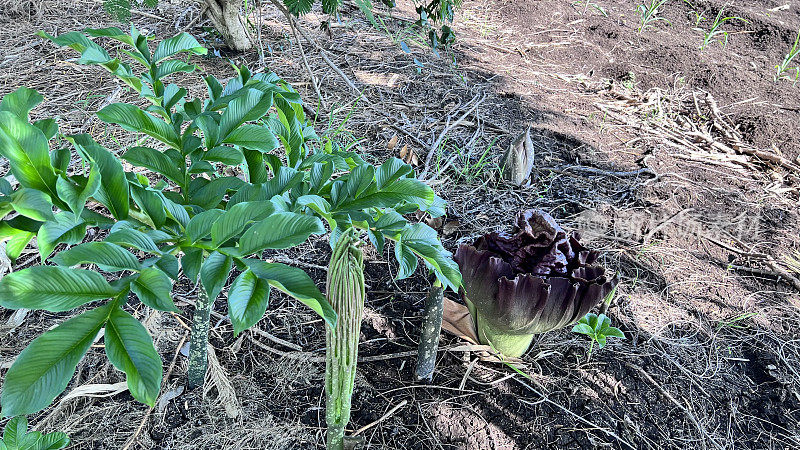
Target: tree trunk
<point>198,340</point>
<point>224,14</point>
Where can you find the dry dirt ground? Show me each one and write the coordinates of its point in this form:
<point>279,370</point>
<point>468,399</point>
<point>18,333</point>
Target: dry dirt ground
<point>680,164</point>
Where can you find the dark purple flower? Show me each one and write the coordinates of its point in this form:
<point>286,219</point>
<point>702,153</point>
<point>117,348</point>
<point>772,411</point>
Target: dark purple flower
<point>535,279</point>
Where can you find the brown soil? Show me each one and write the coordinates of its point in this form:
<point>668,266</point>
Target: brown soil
<point>712,351</point>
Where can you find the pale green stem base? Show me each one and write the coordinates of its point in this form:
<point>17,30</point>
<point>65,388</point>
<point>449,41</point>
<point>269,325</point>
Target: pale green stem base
<point>512,345</point>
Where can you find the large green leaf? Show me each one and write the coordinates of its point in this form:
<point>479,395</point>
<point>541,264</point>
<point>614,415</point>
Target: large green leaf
<point>52,288</point>
<point>183,42</point>
<point>158,162</point>
<point>132,238</point>
<point>201,224</point>
<point>134,119</point>
<point>247,300</point>
<point>191,262</point>
<point>255,137</point>
<point>406,259</point>
<point>76,196</point>
<point>234,221</point>
<point>21,102</point>
<point>296,283</point>
<point>44,368</point>
<point>214,273</point>
<point>33,203</point>
<point>278,231</point>
<point>246,108</point>
<point>28,152</point>
<point>65,228</point>
<point>390,171</point>
<point>407,190</point>
<point>113,192</point>
<point>108,257</point>
<point>151,203</point>
<point>130,349</point>
<point>153,287</point>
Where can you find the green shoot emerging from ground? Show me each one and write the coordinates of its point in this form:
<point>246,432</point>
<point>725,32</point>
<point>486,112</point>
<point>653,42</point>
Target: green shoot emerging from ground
<point>716,33</point>
<point>598,328</point>
<point>649,14</point>
<point>784,70</point>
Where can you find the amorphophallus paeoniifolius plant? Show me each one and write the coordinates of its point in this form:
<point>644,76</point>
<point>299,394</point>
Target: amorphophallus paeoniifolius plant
<point>535,279</point>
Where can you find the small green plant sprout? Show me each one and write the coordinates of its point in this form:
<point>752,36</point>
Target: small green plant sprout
<point>737,322</point>
<point>784,70</point>
<point>17,437</point>
<point>589,4</point>
<point>716,33</point>
<point>649,14</point>
<point>598,329</point>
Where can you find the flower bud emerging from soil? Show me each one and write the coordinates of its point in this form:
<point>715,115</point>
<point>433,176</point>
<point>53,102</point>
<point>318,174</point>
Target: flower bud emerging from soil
<point>346,294</point>
<point>535,279</point>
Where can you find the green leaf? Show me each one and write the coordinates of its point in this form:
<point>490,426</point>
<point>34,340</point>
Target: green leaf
<point>113,192</point>
<point>296,283</point>
<point>21,102</point>
<point>404,190</point>
<point>245,108</point>
<point>28,152</point>
<point>151,204</point>
<point>54,441</point>
<point>43,370</point>
<point>390,171</point>
<point>172,66</point>
<point>130,349</point>
<point>108,257</point>
<point>111,33</point>
<point>227,155</point>
<point>191,261</point>
<point>298,7</point>
<point>247,300</point>
<point>582,328</point>
<point>49,127</point>
<point>613,332</point>
<point>158,162</point>
<point>130,237</point>
<point>200,225</point>
<point>65,228</point>
<point>278,231</point>
<point>153,287</point>
<point>214,273</point>
<point>237,218</point>
<point>360,178</point>
<point>76,196</point>
<point>15,431</point>
<point>406,259</point>
<point>255,137</point>
<point>131,118</point>
<point>33,203</point>
<point>52,288</point>
<point>183,42</point>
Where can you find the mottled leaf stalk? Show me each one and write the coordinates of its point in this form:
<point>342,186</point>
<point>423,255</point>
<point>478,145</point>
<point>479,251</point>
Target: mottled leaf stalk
<point>198,340</point>
<point>431,330</point>
<point>345,286</point>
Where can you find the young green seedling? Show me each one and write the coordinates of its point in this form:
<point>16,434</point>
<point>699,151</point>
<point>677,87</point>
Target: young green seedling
<point>784,70</point>
<point>598,329</point>
<point>713,33</point>
<point>649,14</point>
